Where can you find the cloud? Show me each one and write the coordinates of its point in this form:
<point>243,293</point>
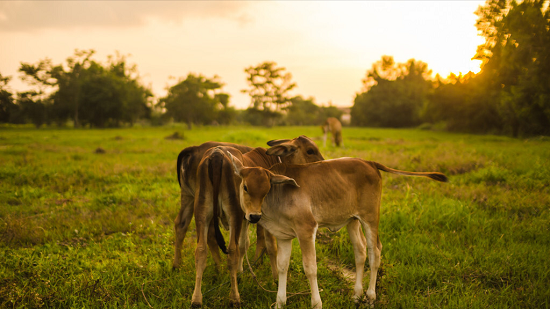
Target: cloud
<point>66,15</point>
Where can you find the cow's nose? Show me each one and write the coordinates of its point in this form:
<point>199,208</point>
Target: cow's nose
<point>255,218</point>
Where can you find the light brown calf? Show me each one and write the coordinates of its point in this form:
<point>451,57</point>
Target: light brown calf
<point>217,197</point>
<point>333,126</point>
<point>293,201</point>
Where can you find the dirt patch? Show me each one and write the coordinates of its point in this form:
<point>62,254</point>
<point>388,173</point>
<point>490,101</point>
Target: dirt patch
<point>175,136</point>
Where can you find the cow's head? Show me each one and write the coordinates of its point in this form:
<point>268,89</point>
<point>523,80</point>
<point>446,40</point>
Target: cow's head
<point>255,185</point>
<point>300,150</point>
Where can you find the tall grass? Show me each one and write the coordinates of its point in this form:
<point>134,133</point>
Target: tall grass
<point>85,228</point>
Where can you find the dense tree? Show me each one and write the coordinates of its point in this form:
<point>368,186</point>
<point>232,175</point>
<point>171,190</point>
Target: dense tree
<point>394,94</point>
<point>306,112</point>
<point>302,112</point>
<point>7,106</point>
<point>268,89</point>
<point>197,100</point>
<point>87,91</point>
<point>516,63</point>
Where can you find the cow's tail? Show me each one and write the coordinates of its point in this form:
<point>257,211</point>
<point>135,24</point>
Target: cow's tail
<point>184,158</point>
<point>433,175</point>
<point>215,174</point>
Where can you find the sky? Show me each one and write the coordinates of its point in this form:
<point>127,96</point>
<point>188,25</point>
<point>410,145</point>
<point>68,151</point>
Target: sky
<point>327,46</point>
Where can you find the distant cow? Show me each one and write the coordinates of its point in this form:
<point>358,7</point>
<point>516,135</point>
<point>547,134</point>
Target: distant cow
<point>217,197</point>
<point>333,126</point>
<point>293,201</point>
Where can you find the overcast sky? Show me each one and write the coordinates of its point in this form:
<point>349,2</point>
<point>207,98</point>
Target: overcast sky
<point>326,46</point>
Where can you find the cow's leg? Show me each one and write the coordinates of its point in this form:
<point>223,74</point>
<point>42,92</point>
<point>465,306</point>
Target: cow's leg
<point>260,242</point>
<point>309,259</point>
<point>200,258</point>
<point>244,243</point>
<point>271,246</point>
<point>234,257</point>
<point>325,136</point>
<point>374,249</point>
<point>213,244</point>
<point>181,224</point>
<point>283,260</point>
<point>358,240</point>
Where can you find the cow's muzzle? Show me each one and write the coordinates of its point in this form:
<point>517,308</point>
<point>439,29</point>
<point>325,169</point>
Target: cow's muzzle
<point>254,218</point>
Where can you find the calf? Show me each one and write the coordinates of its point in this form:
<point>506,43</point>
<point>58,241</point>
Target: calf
<point>293,201</point>
<point>216,197</point>
<point>186,167</point>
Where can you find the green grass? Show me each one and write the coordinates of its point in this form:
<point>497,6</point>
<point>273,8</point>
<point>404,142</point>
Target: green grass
<point>80,229</point>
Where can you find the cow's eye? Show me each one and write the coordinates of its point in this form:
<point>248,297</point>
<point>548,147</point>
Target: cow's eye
<point>310,152</point>
<point>245,189</point>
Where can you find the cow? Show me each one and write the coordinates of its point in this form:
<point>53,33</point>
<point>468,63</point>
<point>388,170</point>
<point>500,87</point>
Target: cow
<point>298,150</point>
<point>186,168</point>
<point>293,201</point>
<point>333,126</point>
<point>217,196</point>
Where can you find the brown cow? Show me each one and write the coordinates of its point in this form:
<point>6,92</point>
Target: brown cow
<point>333,126</point>
<point>329,194</point>
<point>298,150</point>
<point>219,185</point>
<point>187,164</point>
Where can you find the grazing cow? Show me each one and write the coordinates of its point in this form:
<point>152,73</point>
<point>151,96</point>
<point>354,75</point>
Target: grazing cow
<point>298,151</point>
<point>217,197</point>
<point>335,127</point>
<point>330,194</point>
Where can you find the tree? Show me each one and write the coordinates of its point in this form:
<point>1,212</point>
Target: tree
<point>302,112</point>
<point>394,94</point>
<point>88,91</point>
<point>197,99</point>
<point>516,65</point>
<point>268,90</point>
<point>7,106</point>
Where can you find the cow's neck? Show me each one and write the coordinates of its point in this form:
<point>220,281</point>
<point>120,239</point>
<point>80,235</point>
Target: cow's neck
<point>258,157</point>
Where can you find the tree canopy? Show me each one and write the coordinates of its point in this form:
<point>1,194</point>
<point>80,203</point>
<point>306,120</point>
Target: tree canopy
<point>87,91</point>
<point>394,94</point>
<point>198,100</point>
<point>268,89</point>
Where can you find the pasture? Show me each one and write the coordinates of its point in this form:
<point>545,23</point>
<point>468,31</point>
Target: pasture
<point>85,228</point>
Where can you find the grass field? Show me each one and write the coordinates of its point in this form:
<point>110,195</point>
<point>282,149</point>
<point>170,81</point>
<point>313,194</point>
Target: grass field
<point>81,229</point>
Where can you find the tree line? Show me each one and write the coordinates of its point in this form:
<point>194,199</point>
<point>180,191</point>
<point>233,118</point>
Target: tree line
<point>510,95</point>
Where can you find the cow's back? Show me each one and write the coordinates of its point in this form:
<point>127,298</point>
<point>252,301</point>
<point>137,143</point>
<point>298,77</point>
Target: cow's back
<point>344,184</point>
<point>190,157</point>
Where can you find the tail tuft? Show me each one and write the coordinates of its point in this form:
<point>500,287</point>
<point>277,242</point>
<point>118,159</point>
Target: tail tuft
<point>439,177</point>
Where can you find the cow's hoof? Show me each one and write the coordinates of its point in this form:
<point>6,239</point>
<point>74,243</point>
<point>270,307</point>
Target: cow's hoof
<point>196,305</point>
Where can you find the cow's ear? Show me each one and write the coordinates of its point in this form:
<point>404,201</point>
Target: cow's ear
<point>237,164</point>
<point>282,180</point>
<point>276,142</point>
<point>282,150</point>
